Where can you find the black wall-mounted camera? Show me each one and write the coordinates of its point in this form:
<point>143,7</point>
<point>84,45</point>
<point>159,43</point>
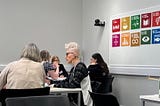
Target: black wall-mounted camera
<point>99,23</point>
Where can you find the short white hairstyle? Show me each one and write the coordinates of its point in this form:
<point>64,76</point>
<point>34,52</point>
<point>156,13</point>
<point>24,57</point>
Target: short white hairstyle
<point>72,47</point>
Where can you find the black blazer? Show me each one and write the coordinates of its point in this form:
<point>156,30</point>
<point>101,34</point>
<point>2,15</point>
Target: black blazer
<point>62,70</point>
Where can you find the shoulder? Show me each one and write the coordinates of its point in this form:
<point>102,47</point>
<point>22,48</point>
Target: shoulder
<point>61,65</point>
<point>28,61</point>
<point>10,65</point>
<point>96,66</point>
<point>48,66</point>
<point>81,68</point>
<point>81,65</point>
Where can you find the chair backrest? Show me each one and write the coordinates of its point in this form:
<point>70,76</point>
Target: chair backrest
<point>5,93</point>
<point>95,85</point>
<point>49,100</point>
<point>0,104</point>
<point>106,84</point>
<point>107,99</point>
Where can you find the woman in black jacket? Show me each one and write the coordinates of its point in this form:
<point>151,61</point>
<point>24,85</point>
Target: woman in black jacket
<point>77,75</point>
<point>98,70</point>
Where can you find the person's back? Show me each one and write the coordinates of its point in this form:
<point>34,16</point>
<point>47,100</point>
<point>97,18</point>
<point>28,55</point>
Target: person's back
<point>98,71</point>
<point>25,74</point>
<point>48,67</point>
<point>95,72</point>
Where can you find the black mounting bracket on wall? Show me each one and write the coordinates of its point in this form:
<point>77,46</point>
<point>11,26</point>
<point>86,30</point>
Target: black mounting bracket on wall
<point>99,23</point>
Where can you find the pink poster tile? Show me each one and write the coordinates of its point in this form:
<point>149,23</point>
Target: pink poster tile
<point>116,40</point>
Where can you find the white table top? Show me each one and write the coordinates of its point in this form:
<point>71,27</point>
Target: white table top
<point>58,79</point>
<point>53,90</point>
<point>153,98</point>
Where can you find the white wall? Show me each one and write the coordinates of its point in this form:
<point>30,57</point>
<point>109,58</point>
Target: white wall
<point>48,23</point>
<point>96,39</point>
<point>52,23</point>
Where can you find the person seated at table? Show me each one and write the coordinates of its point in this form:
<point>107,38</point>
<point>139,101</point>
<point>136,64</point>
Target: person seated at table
<point>78,77</point>
<point>27,72</point>
<point>98,69</point>
<point>50,71</point>
<point>60,67</point>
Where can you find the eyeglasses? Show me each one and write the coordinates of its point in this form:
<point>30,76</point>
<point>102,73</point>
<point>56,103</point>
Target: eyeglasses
<point>68,53</point>
<point>56,60</point>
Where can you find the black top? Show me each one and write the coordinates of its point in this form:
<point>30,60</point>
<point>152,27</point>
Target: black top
<point>62,71</point>
<point>99,78</point>
<point>77,74</point>
<point>95,72</point>
<point>48,67</point>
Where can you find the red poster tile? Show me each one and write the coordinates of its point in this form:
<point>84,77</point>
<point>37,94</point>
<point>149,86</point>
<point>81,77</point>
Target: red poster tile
<point>156,18</point>
<point>116,25</point>
<point>145,20</point>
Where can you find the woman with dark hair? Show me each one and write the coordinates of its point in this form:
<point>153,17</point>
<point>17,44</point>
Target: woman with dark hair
<point>48,67</point>
<point>98,69</point>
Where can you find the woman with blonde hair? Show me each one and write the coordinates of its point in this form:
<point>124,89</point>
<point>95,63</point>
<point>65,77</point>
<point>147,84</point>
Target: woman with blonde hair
<point>78,77</point>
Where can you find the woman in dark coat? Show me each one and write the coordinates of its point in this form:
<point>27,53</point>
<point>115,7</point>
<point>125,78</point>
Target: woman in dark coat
<point>78,77</point>
<point>98,70</point>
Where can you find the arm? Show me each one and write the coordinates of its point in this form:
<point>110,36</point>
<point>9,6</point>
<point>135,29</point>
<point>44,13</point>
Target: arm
<point>53,74</point>
<point>75,77</point>
<point>56,71</point>
<point>3,76</point>
<point>64,74</point>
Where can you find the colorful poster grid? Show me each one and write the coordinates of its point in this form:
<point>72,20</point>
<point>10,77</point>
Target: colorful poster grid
<point>136,30</point>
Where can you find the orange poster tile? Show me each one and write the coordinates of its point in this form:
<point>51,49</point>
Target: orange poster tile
<point>125,39</point>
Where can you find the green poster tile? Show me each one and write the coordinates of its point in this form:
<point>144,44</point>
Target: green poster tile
<point>135,22</point>
<point>145,37</point>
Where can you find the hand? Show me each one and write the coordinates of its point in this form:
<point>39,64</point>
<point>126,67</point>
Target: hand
<point>47,81</point>
<point>61,76</point>
<point>55,64</point>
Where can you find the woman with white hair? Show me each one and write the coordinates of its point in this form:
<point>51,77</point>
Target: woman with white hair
<point>25,73</point>
<point>78,77</point>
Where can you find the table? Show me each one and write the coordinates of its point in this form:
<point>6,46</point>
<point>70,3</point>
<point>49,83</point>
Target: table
<point>54,90</point>
<point>149,98</point>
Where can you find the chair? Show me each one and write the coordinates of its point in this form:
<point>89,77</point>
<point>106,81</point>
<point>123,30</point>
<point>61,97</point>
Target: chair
<point>0,104</point>
<point>5,93</point>
<point>100,99</point>
<point>104,83</point>
<point>107,87</point>
<point>95,85</point>
<point>48,100</point>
